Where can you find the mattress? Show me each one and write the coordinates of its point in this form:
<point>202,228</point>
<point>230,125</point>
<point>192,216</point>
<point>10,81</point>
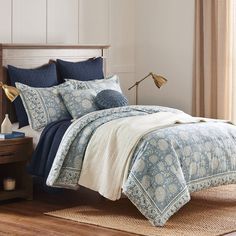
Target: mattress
<point>28,132</point>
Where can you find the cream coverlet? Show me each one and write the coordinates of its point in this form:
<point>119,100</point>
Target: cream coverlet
<point>110,149</point>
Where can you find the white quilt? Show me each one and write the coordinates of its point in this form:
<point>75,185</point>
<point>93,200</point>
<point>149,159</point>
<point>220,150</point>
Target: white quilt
<point>108,154</point>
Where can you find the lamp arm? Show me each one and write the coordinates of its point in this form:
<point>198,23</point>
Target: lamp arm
<point>138,82</point>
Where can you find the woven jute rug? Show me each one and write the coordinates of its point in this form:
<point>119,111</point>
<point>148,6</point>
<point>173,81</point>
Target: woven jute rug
<point>210,212</point>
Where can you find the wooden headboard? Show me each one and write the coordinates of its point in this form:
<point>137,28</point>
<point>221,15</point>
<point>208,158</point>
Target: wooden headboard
<point>32,56</point>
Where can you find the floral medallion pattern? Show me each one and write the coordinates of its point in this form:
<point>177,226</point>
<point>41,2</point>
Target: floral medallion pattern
<point>79,102</point>
<point>167,165</point>
<point>42,105</point>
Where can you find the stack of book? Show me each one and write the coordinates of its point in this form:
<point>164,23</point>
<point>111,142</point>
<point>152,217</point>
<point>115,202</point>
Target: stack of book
<point>13,135</point>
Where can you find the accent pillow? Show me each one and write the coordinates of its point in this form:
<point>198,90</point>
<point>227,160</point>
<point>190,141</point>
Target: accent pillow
<point>98,85</point>
<point>79,102</point>
<point>84,70</point>
<point>43,105</point>
<point>110,98</point>
<point>45,76</point>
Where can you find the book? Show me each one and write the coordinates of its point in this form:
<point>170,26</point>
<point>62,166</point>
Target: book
<point>14,134</point>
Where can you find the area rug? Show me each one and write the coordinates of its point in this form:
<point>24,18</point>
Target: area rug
<point>210,212</point>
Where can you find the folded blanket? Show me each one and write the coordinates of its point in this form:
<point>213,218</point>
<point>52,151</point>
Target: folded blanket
<point>109,152</point>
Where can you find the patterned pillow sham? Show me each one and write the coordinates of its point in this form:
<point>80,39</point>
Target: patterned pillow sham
<point>44,76</point>
<point>43,105</point>
<point>79,102</point>
<point>111,82</point>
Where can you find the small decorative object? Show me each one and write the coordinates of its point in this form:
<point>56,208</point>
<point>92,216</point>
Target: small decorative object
<point>6,126</point>
<point>9,184</point>
<point>158,80</point>
<point>14,134</point>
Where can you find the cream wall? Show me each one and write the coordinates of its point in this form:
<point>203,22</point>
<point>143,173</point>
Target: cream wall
<point>145,35</point>
<point>164,44</point>
<point>75,22</point>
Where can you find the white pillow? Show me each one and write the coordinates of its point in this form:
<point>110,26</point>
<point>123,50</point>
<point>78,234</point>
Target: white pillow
<point>111,82</point>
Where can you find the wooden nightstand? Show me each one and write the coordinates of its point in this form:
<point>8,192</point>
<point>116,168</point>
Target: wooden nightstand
<point>14,155</point>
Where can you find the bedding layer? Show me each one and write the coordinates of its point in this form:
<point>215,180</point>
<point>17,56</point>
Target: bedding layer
<point>28,132</point>
<point>46,149</point>
<point>66,168</point>
<point>110,149</point>
<point>167,164</point>
<point>171,163</point>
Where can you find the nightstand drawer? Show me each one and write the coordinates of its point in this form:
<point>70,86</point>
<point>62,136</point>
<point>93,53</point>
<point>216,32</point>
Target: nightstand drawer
<point>12,157</point>
<point>14,151</point>
<point>16,154</point>
<point>14,148</point>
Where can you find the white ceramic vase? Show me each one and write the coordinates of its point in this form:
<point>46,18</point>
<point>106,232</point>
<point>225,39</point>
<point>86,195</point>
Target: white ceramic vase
<point>6,126</point>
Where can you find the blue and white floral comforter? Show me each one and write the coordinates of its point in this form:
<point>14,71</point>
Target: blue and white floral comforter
<point>167,165</point>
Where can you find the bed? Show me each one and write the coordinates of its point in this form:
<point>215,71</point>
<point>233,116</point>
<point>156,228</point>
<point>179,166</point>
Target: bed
<point>155,155</point>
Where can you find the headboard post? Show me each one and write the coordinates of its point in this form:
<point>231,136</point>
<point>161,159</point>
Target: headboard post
<point>3,79</point>
<point>33,56</point>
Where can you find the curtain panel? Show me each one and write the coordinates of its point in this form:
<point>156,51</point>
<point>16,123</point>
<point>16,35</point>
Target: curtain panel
<point>213,67</point>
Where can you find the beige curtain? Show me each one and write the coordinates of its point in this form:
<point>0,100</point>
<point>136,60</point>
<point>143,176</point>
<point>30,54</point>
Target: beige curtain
<point>233,60</point>
<point>213,77</point>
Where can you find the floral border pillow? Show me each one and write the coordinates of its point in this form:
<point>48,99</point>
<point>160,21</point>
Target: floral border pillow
<point>79,102</point>
<point>97,85</point>
<point>43,105</point>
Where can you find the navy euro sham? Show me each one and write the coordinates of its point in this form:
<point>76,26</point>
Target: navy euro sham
<point>90,69</point>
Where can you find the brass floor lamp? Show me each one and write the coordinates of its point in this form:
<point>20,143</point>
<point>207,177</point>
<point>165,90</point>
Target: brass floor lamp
<point>158,80</point>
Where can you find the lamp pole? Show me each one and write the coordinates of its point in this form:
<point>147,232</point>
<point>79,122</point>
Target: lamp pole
<point>136,85</point>
<point>136,99</point>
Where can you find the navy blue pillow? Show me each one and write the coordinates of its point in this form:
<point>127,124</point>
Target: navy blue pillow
<point>109,98</point>
<point>84,70</point>
<point>45,76</point>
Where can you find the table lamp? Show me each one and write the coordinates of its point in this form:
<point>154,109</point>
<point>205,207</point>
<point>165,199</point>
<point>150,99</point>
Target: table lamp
<point>11,92</point>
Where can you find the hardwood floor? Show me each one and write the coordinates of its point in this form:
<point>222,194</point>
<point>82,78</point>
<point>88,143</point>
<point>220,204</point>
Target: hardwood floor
<point>26,218</point>
<point>22,217</point>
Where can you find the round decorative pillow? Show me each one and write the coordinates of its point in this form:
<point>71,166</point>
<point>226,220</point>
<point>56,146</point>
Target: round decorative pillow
<point>109,98</point>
